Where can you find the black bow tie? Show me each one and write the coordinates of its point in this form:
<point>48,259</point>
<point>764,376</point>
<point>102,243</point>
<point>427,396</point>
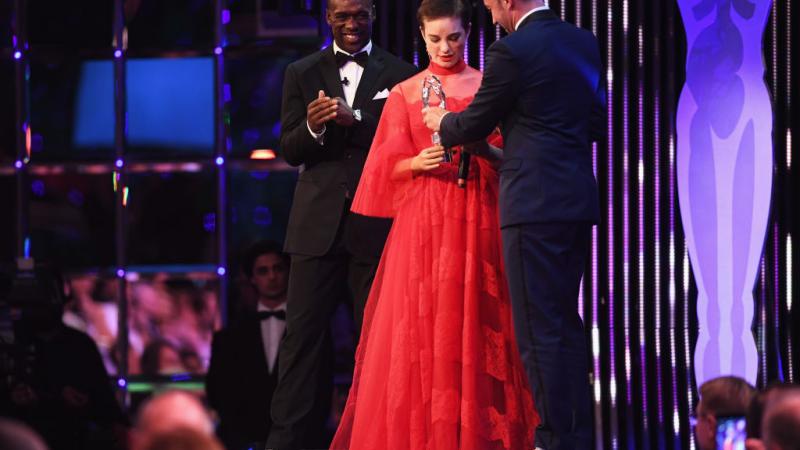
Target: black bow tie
<point>359,58</point>
<point>264,315</point>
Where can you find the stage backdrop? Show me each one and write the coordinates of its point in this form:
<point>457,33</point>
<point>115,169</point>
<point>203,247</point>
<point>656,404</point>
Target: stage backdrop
<point>640,296</point>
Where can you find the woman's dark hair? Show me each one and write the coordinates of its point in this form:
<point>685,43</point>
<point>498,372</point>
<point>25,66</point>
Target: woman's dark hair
<point>436,9</point>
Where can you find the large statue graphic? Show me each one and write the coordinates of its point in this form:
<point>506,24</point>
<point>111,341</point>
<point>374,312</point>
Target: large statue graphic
<point>725,164</point>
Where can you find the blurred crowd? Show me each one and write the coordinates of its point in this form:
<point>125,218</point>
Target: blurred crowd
<point>171,321</point>
<point>733,415</point>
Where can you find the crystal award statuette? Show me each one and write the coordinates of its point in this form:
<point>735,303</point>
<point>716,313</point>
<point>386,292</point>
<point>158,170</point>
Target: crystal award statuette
<point>433,83</point>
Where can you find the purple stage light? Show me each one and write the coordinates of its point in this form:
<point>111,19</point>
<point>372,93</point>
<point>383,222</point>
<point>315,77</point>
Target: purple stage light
<point>37,187</point>
<point>117,53</point>
<point>226,16</point>
<point>17,54</point>
<point>119,163</point>
<point>262,216</point>
<point>76,197</point>
<point>122,383</point>
<point>220,160</point>
<point>218,50</point>
<point>120,273</point>
<point>221,271</point>
<point>210,222</point>
<point>18,164</point>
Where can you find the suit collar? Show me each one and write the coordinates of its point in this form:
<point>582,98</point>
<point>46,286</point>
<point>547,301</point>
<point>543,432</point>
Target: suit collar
<point>330,74</point>
<point>375,65</point>
<point>543,14</point>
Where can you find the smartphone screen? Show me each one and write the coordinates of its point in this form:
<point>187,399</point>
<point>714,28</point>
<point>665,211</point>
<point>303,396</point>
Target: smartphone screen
<point>731,433</point>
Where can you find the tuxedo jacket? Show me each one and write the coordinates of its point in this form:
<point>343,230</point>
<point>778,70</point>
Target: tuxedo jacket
<point>330,173</point>
<point>544,85</point>
<point>239,384</point>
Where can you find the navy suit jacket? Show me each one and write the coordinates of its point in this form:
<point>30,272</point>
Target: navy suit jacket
<point>544,85</point>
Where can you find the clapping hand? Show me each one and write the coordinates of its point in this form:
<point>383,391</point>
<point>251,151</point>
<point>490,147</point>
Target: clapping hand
<point>344,113</point>
<point>321,110</point>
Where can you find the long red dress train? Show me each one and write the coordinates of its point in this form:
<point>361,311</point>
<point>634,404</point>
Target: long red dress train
<point>437,365</point>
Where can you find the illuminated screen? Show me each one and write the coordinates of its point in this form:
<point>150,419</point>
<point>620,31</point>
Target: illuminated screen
<point>170,104</point>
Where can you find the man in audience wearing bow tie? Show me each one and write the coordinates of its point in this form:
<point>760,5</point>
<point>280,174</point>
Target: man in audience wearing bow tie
<point>244,357</point>
<point>332,100</point>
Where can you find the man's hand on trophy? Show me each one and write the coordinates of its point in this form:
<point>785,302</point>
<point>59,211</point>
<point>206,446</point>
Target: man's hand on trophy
<point>432,116</point>
<point>321,110</point>
<point>344,113</point>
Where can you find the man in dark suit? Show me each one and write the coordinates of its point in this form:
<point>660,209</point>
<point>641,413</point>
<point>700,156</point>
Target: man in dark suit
<point>543,83</point>
<point>332,101</point>
<point>244,357</point>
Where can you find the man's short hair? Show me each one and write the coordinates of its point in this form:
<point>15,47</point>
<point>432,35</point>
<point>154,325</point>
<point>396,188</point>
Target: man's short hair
<point>258,249</point>
<point>17,435</point>
<point>781,427</point>
<point>755,413</point>
<point>726,396</point>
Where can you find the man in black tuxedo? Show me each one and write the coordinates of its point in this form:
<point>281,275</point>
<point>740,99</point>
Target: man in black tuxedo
<point>332,101</point>
<point>543,83</point>
<point>244,357</point>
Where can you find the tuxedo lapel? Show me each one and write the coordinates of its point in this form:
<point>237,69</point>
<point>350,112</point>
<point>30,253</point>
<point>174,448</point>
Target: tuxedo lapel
<point>366,86</point>
<point>256,341</point>
<point>330,74</point>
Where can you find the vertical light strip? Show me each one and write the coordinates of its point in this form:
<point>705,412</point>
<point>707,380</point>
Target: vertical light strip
<point>789,257</point>
<point>640,132</point>
<point>578,12</point>
<point>789,293</point>
<point>497,32</point>
<point>687,348</point>
<point>612,353</point>
<point>776,306</point>
<point>657,216</point>
<point>481,47</point>
<point>673,280</point>
<point>598,385</point>
<point>416,50</point>
<point>774,27</point>
<point>763,318</point>
<point>626,203</point>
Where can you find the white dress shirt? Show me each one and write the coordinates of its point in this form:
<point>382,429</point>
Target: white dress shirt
<point>272,330</point>
<point>350,71</point>
<point>541,8</point>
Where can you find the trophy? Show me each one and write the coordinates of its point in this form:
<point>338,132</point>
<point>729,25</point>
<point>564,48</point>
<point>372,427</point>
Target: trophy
<point>433,83</point>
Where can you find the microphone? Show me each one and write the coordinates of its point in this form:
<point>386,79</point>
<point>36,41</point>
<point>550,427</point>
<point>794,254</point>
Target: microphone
<point>463,168</point>
<point>345,81</point>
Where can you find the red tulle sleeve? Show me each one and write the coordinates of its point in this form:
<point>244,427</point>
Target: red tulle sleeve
<point>387,172</point>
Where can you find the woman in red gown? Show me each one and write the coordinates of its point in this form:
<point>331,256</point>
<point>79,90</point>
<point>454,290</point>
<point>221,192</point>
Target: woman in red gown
<point>437,366</point>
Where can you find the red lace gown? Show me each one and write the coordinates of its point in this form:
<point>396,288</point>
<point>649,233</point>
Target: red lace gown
<point>437,366</point>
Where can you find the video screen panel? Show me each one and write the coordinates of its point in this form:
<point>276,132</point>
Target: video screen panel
<point>172,218</point>
<point>72,220</point>
<point>169,103</point>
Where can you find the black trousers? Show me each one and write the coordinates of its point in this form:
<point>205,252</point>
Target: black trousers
<point>544,264</point>
<point>302,399</point>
